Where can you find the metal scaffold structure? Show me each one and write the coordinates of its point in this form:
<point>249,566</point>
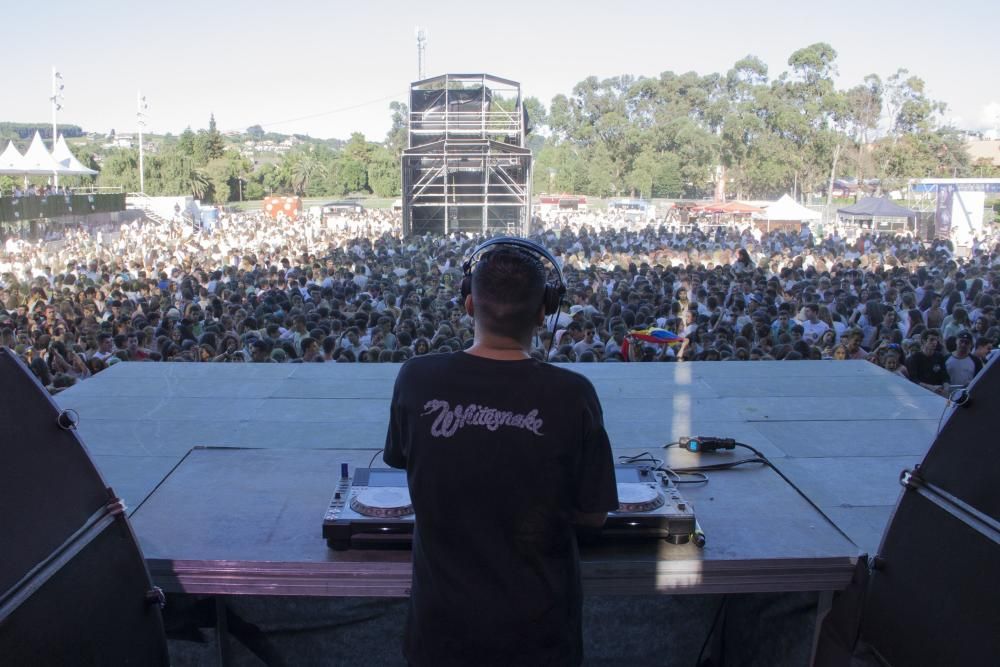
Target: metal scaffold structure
<point>467,166</point>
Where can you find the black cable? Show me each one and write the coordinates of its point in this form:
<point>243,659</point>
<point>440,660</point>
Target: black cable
<point>728,465</point>
<point>676,476</point>
<point>553,322</point>
<point>644,457</point>
<point>792,484</point>
<point>759,457</point>
<point>952,401</point>
<point>373,457</point>
<point>657,464</point>
<point>711,630</point>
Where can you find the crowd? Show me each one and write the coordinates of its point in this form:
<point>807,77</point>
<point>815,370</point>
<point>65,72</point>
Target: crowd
<point>31,190</point>
<point>349,289</point>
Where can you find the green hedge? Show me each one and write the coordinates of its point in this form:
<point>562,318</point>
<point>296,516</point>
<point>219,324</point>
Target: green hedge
<point>14,209</point>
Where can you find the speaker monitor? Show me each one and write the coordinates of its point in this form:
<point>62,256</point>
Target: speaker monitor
<point>74,588</point>
<point>929,597</point>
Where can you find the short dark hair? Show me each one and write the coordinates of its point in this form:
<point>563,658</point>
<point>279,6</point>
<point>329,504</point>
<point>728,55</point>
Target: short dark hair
<point>507,288</point>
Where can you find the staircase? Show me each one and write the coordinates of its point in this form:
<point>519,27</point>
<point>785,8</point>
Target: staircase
<point>159,210</point>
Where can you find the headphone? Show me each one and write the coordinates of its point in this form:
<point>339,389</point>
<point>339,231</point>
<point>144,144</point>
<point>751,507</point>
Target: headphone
<point>554,291</point>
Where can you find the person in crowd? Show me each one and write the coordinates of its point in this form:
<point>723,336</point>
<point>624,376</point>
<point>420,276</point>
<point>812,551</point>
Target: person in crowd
<point>961,364</point>
<point>926,366</point>
<point>812,326</point>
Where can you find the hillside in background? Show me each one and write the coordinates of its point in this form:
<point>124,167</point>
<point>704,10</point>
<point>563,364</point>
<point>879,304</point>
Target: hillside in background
<point>24,131</point>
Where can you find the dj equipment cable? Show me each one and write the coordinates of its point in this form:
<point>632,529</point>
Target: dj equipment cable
<point>759,457</point>
<point>956,398</point>
<point>715,623</point>
<point>657,464</point>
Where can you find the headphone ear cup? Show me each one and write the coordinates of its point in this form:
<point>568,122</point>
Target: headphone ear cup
<point>466,289</point>
<point>550,298</point>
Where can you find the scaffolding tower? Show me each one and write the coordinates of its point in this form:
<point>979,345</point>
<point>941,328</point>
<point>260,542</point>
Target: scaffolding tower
<point>467,166</point>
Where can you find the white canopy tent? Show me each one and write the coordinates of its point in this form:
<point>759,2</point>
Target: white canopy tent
<point>11,160</point>
<point>68,164</point>
<point>787,208</point>
<point>38,160</point>
<point>784,213</point>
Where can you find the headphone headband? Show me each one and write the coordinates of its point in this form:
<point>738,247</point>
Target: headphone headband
<point>553,293</point>
<point>517,242</point>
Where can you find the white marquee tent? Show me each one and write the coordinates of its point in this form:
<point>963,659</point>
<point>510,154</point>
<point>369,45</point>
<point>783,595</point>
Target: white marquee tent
<point>37,161</point>
<point>68,163</point>
<point>11,160</point>
<point>787,208</point>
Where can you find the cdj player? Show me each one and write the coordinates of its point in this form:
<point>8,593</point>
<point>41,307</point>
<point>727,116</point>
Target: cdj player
<point>373,510</point>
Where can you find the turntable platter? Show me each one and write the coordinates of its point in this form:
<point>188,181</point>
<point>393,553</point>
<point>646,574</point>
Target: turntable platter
<point>382,502</point>
<point>638,498</point>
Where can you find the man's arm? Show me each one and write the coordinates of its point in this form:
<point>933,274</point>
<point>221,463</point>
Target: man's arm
<point>597,492</point>
<point>394,453</point>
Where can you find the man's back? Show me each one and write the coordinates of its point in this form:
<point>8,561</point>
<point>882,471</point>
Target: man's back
<point>500,455</point>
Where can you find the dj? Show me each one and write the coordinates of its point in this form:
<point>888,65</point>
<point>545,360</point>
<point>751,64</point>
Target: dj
<point>504,456</point>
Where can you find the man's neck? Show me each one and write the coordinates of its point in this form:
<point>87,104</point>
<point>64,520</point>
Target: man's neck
<point>499,348</point>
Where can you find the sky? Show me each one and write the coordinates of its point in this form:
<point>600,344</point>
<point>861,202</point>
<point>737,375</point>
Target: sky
<point>328,68</point>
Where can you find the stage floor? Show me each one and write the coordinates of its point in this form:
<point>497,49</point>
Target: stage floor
<point>841,431</point>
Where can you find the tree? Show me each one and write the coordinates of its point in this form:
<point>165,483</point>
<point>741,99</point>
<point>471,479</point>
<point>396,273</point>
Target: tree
<point>864,108</point>
<point>120,168</point>
<point>396,140</point>
<point>384,173</point>
<point>209,145</point>
<point>909,108</point>
<point>357,148</point>
<point>185,143</point>
<point>303,168</point>
<point>538,117</point>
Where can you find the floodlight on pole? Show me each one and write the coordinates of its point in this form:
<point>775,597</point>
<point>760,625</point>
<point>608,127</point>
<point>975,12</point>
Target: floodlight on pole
<point>140,114</point>
<point>421,51</point>
<point>57,99</point>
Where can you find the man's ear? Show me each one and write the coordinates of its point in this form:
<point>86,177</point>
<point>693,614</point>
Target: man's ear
<point>469,306</point>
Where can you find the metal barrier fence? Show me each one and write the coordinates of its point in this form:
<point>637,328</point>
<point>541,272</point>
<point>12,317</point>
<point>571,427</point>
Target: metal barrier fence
<point>19,209</point>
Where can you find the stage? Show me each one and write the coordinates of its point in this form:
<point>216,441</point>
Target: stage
<point>240,516</point>
<point>841,431</point>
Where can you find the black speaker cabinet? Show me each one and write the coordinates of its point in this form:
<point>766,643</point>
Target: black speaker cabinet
<point>930,595</point>
<point>74,588</point>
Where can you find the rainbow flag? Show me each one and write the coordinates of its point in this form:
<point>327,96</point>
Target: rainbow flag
<point>656,335</point>
<point>650,335</point>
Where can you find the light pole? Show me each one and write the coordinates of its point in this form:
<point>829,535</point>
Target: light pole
<point>421,51</point>
<point>140,115</point>
<point>57,100</point>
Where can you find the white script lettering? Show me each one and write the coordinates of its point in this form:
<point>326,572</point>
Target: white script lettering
<point>448,420</point>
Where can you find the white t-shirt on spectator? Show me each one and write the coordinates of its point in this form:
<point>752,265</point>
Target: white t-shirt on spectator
<point>812,332</point>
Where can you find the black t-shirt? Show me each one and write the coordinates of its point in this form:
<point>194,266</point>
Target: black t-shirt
<point>499,456</point>
<point>927,369</point>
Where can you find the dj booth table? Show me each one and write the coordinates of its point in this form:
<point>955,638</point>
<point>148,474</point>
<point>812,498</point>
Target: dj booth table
<point>229,521</point>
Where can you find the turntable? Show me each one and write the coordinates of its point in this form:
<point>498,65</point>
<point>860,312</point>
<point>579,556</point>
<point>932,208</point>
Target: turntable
<point>373,509</point>
<point>649,507</point>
